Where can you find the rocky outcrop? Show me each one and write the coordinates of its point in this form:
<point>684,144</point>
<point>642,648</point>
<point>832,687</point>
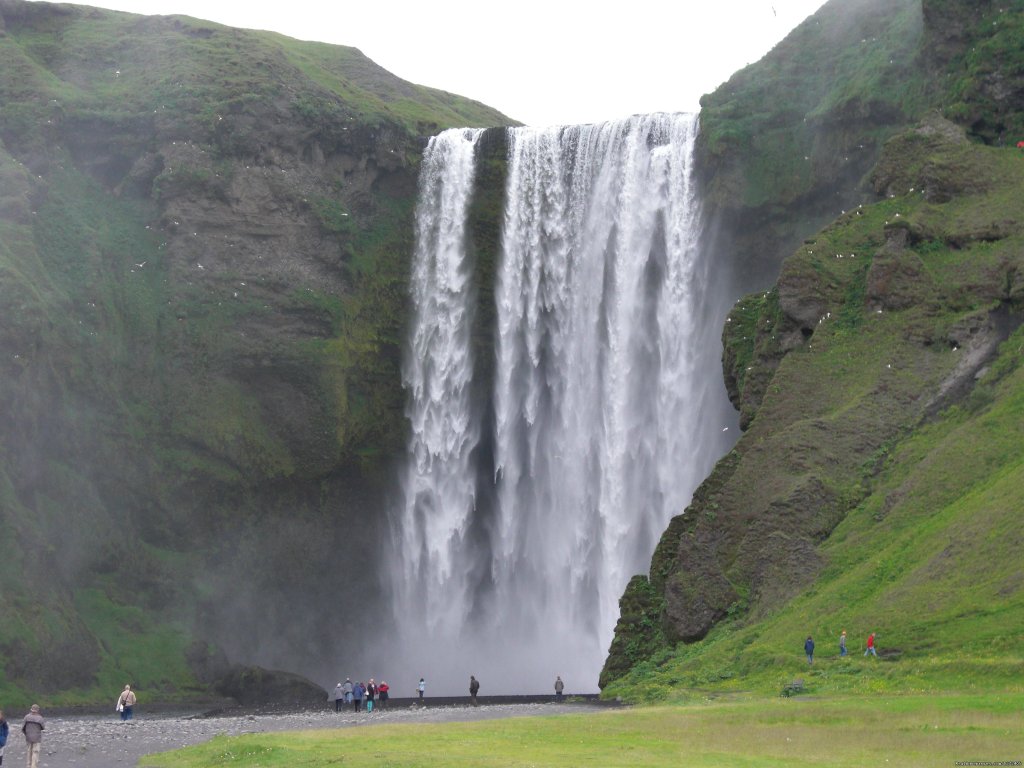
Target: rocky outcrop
<point>265,688</point>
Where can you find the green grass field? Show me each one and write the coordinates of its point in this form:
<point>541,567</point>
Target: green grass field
<point>743,731</point>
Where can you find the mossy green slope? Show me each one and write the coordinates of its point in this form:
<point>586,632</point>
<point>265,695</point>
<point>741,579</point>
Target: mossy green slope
<point>879,483</point>
<point>204,237</point>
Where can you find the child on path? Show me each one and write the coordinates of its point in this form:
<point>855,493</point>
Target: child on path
<point>871,646</point>
<point>809,649</point>
<point>842,643</point>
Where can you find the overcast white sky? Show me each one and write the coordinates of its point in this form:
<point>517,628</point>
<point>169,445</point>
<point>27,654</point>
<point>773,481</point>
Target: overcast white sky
<point>542,62</point>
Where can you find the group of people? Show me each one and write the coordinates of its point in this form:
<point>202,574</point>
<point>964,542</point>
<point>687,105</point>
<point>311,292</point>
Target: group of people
<point>32,726</point>
<point>358,692</point>
<point>870,648</point>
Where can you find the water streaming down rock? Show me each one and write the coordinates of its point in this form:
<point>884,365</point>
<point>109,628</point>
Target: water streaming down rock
<point>439,483</point>
<point>607,400</point>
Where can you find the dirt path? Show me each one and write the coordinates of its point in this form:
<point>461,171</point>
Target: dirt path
<point>106,742</point>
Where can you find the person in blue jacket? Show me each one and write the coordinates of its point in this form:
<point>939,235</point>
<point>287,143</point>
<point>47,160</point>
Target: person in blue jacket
<point>809,650</point>
<point>5,731</point>
<point>357,696</point>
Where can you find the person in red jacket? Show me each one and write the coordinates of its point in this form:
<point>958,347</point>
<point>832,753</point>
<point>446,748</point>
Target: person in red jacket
<point>382,694</point>
<point>871,646</point>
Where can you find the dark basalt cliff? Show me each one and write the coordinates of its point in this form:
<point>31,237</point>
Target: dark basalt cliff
<point>878,323</point>
<point>204,243</point>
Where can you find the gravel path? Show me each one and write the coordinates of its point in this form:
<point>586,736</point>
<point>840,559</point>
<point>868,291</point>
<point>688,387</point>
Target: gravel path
<point>106,742</point>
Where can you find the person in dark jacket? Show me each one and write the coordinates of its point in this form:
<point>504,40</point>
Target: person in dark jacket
<point>32,727</point>
<point>357,696</point>
<point>474,686</point>
<point>809,649</point>
<point>559,687</point>
<point>5,730</point>
<point>371,692</point>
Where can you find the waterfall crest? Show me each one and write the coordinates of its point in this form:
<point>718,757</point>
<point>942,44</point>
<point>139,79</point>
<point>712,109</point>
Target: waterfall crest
<point>606,409</point>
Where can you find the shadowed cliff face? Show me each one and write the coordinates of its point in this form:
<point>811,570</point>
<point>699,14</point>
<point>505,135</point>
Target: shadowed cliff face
<point>204,237</point>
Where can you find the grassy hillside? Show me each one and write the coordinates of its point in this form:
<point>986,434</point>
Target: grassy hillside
<point>879,482</point>
<point>204,235</point>
<point>842,732</point>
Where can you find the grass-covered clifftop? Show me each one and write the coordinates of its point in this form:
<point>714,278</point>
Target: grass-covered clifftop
<point>204,236</point>
<point>788,142</point>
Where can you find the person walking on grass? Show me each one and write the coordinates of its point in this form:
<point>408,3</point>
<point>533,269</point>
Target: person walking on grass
<point>871,646</point>
<point>5,730</point>
<point>33,727</point>
<point>809,649</point>
<point>842,643</point>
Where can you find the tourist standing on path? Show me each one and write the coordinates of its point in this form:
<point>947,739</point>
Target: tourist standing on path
<point>125,702</point>
<point>474,686</point>
<point>809,649</point>
<point>339,696</point>
<point>5,730</point>
<point>559,687</point>
<point>842,643</point>
<point>347,688</point>
<point>371,690</point>
<point>357,697</point>
<point>421,688</point>
<point>871,646</point>
<point>33,727</point>
<point>382,694</point>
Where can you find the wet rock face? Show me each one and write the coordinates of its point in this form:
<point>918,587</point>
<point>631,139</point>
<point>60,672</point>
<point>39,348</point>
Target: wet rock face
<point>258,687</point>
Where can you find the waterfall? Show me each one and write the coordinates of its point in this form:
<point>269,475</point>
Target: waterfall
<point>607,404</point>
<point>439,487</point>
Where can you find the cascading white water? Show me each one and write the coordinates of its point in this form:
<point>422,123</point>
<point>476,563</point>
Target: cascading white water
<point>439,487</point>
<point>606,400</point>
